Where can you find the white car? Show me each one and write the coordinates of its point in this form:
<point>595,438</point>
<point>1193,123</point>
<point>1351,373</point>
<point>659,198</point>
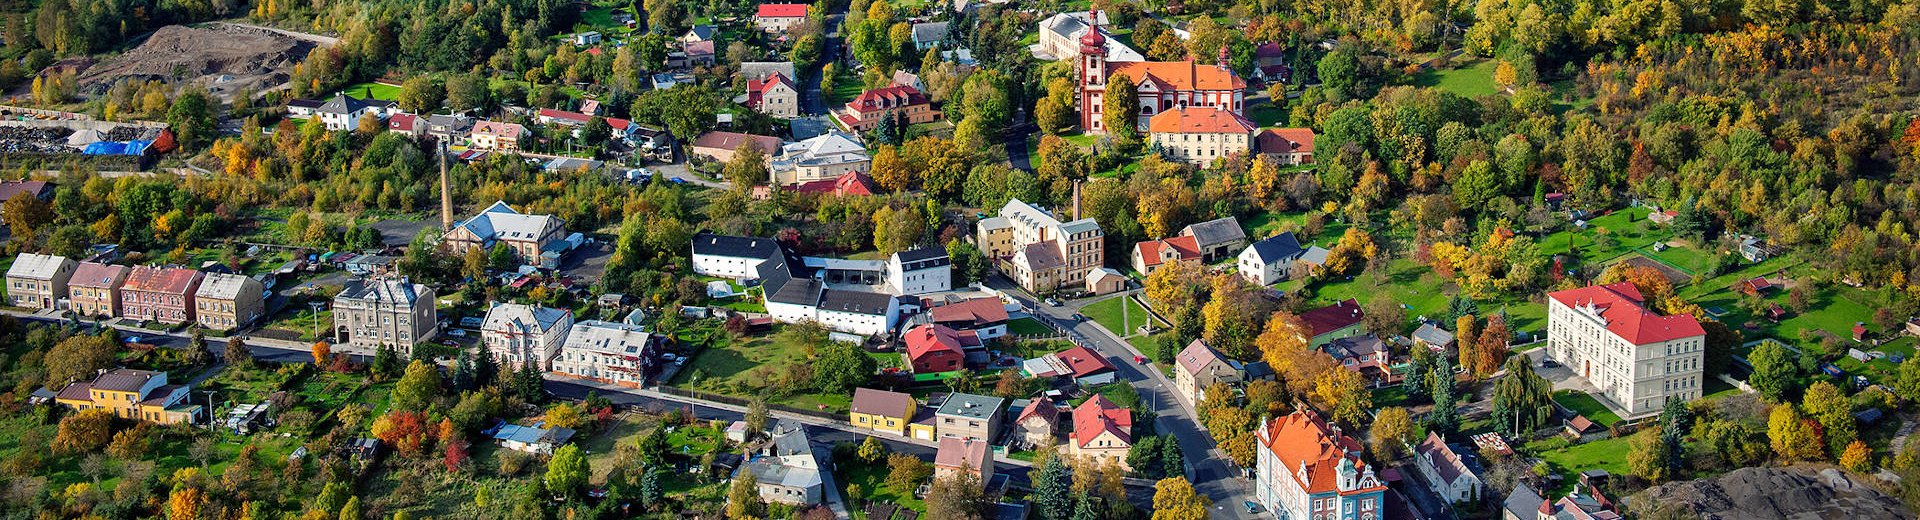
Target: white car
<point>1052,302</point>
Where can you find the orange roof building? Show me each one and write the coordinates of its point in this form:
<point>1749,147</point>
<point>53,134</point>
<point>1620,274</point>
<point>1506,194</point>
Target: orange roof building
<point>1102,430</point>
<point>1288,146</point>
<point>1636,358</point>
<point>1151,254</point>
<point>1307,468</point>
<point>1199,135</point>
<point>1161,85</point>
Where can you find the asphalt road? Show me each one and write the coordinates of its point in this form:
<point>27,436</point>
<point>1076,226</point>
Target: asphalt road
<point>1208,468</point>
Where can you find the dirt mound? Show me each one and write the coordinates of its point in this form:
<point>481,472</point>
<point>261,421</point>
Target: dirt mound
<point>222,58</point>
<point>1777,493</point>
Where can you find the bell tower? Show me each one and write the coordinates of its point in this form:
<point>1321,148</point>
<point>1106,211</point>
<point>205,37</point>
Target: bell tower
<point>1093,73</point>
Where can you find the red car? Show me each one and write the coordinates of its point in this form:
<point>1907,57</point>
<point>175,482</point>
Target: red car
<point>1140,360</point>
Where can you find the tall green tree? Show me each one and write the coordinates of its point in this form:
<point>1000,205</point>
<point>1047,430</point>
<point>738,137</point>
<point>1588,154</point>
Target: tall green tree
<point>567,471</point>
<point>1053,490</point>
<point>1522,401</point>
<point>1121,110</point>
<point>1445,416</point>
<point>1775,374</point>
<point>418,388</point>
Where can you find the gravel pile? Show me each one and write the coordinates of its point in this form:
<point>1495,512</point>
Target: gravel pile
<point>1794,493</point>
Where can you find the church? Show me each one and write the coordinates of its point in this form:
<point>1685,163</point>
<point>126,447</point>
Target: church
<point>1162,85</point>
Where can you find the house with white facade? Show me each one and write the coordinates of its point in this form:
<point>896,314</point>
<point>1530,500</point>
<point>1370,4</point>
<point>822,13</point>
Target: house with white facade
<point>37,281</point>
<point>1638,359</point>
<point>1060,38</point>
<point>343,112</point>
<point>608,352</point>
<point>518,334</point>
<point>1279,258</point>
<point>920,271</point>
<point>1447,472</point>
<point>1040,252</point>
<point>1306,468</point>
<point>824,157</point>
<point>728,256</point>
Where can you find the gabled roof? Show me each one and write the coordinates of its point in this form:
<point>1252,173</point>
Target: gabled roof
<point>972,313</point>
<point>699,48</point>
<point>919,254</point>
<point>1184,247</point>
<point>881,402</point>
<point>955,452</point>
<point>605,337</point>
<point>1217,231</point>
<point>850,184</point>
<point>1199,120</point>
<point>383,290</point>
<point>934,338</point>
<point>8,189</point>
<point>1433,335</point>
<point>714,244</point>
<point>517,318</point>
<point>402,122</point>
<point>1042,408</point>
<point>1278,248</point>
<point>95,275</point>
<point>1619,307</point>
<point>501,222</point>
<point>1284,140</point>
<point>762,69</point>
<point>1435,451</point>
<point>731,140</point>
<point>782,11</point>
<point>124,380</point>
<point>700,32</point>
<point>1356,347</point>
<point>1340,315</point>
<point>1196,357</point>
<point>1041,255</point>
<point>33,266</point>
<point>929,32</point>
<point>1303,442</point>
<point>1083,362</point>
<point>167,280</point>
<point>1180,75</point>
<point>1269,50</point>
<point>892,96</point>
<point>1100,415</point>
<point>499,129</point>
<point>343,104</point>
<point>856,302</point>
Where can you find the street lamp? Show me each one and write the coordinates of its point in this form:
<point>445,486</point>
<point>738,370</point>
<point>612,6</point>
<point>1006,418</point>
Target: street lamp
<point>316,318</point>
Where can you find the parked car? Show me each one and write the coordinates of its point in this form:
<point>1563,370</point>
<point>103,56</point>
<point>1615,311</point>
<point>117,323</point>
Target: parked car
<point>1052,302</point>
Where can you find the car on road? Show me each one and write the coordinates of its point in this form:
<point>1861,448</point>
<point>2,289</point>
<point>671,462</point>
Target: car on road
<point>1052,302</point>
<point>1139,360</point>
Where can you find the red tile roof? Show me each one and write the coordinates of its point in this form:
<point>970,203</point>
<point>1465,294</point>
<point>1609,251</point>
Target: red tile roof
<point>955,452</point>
<point>887,97</point>
<point>1619,305</point>
<point>1333,317</point>
<point>1099,415</point>
<point>95,275</point>
<point>782,11</point>
<point>167,280</point>
<point>1284,140</point>
<point>402,122</point>
<point>976,312</point>
<point>1180,75</point>
<point>757,88</point>
<point>1187,246</point>
<point>1084,361</point>
<point>1303,438</point>
<point>731,140</point>
<point>850,184</point>
<point>1043,407</point>
<point>927,344</point>
<point>1199,120</point>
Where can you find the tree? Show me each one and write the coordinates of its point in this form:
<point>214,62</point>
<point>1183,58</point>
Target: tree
<point>1858,458</point>
<point>567,472</point>
<point>1175,499</point>
<point>1391,432</point>
<point>501,258</point>
<point>840,367</point>
<point>322,352</point>
<point>1445,416</point>
<point>756,415</point>
<point>25,213</point>
<point>84,432</point>
<point>1522,401</point>
<point>1121,113</point>
<point>871,450</point>
<point>418,388</point>
<point>1774,373</point>
<point>1052,116</point>
<point>748,167</point>
<point>1907,383</point>
<point>237,353</point>
<point>1344,392</point>
<point>193,118</point>
<point>743,497</point>
<point>386,362</point>
<point>1791,435</point>
<point>890,170</point>
<point>906,471</point>
<point>197,352</point>
<point>1052,494</point>
<point>184,503</point>
<point>351,511</point>
<point>77,358</point>
<point>1827,405</point>
<point>1647,457</point>
<point>958,495</point>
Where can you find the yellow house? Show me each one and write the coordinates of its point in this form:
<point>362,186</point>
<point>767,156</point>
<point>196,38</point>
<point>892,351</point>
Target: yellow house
<point>139,395</point>
<point>882,411</point>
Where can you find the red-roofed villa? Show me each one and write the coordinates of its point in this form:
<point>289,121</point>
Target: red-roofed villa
<point>1637,359</point>
<point>1307,468</point>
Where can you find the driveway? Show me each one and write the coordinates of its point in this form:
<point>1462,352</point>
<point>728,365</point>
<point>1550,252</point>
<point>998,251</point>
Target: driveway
<point>682,172</point>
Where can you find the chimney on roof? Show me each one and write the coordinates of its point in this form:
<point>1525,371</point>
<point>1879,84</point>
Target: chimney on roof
<point>1076,199</point>
<point>446,189</point>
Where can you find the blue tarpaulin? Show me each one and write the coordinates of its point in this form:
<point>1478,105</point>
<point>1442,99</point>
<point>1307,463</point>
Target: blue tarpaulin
<point>135,147</point>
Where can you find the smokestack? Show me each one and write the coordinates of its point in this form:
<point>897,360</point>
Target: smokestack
<point>1076,200</point>
<point>446,190</point>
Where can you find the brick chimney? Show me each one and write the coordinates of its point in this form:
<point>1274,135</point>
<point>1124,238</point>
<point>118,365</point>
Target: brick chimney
<point>1076,200</point>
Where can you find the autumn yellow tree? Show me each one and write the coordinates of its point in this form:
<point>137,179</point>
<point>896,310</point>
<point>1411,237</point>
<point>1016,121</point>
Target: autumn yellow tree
<point>1232,316</point>
<point>1858,458</point>
<point>185,503</point>
<point>1466,340</point>
<point>322,352</point>
<point>1353,250</point>
<point>1175,499</point>
<point>1344,392</point>
<point>1175,285</point>
<point>890,170</point>
<point>1391,432</point>
<point>1285,336</point>
<point>1504,75</point>
<point>1793,436</point>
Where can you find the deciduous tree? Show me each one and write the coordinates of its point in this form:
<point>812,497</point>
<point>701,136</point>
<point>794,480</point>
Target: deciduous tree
<point>1175,499</point>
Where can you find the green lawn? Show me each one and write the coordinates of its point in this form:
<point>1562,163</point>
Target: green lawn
<point>1470,79</point>
<point>373,90</point>
<point>1267,224</point>
<point>872,479</point>
<point>733,368</point>
<point>1266,114</point>
<point>1109,314</point>
<point>1028,327</point>
<point>302,321</point>
<point>1609,454</point>
<point>1628,229</point>
<point>1419,290</point>
<point>1586,405</point>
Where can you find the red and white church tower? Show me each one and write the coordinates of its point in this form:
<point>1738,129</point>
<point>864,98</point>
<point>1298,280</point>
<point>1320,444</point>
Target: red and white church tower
<point>1159,85</point>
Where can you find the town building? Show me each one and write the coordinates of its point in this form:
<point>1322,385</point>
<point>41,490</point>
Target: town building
<point>1037,423</point>
<point>1080,364</point>
<point>699,33</point>
<point>526,439</point>
<point>934,348</point>
<point>1637,359</point>
<point>1200,366</point>
<point>1270,63</point>
<point>865,111</point>
<point>161,294</point>
<point>699,54</point>
<point>821,158</point>
<point>608,352</point>
<point>448,127</point>
<point>1038,251</point>
<point>850,184</point>
<point>547,116</point>
<point>928,35</point>
<point>495,135</point>
<point>519,334</point>
<point>1217,239</point>
<point>969,416</point>
<point>1447,470</point>
<point>1307,468</point>
<point>1201,134</point>
<point>788,469</point>
<point>1148,256</point>
<point>1060,36</point>
<point>94,289</point>
<point>733,257</point>
<point>1364,354</point>
<point>777,18</point>
<point>720,146</point>
<point>1279,258</point>
<point>343,112</point>
<point>1102,431</point>
<point>796,292</point>
<point>531,237</point>
<point>386,312</point>
<point>1433,337</point>
<point>37,281</point>
<point>1343,319</point>
<point>881,410</point>
<point>1285,146</point>
<point>583,39</point>
<point>137,395</point>
<point>957,456</point>
<point>1161,85</point>
<point>986,318</point>
<point>409,124</point>
<point>776,95</point>
<point>229,301</point>
<point>920,271</point>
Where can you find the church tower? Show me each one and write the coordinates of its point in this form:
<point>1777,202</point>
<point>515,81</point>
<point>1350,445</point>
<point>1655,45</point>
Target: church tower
<point>1093,73</point>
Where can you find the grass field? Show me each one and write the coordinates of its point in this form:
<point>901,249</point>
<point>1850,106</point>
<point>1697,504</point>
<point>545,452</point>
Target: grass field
<point>1628,229</point>
<point>1266,114</point>
<point>1109,314</point>
<point>1586,405</point>
<point>872,479</point>
<point>373,90</point>
<point>1267,224</point>
<point>1609,454</point>
<point>730,367</point>
<point>1469,79</point>
<point>1419,291</point>
<point>1028,327</point>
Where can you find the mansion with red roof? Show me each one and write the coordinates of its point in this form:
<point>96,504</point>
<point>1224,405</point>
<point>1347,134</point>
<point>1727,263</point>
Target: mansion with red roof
<point>1637,359</point>
<point>864,112</point>
<point>1102,431</point>
<point>1161,85</point>
<point>1306,468</point>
